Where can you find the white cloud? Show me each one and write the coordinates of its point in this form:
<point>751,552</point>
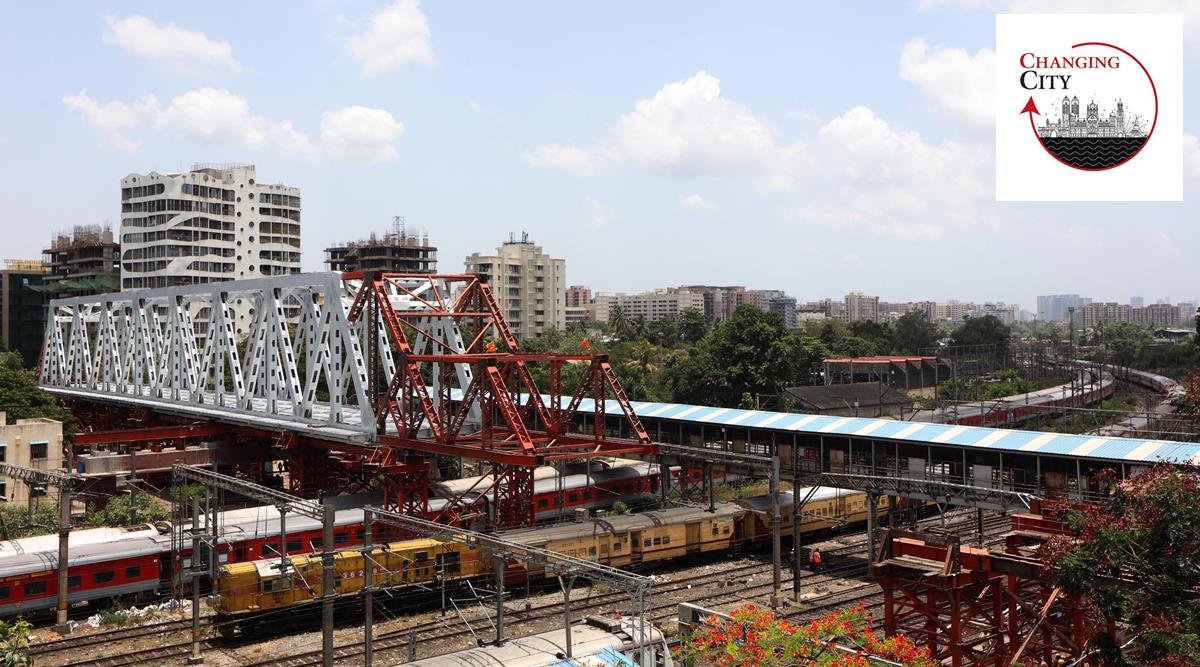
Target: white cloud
<point>698,204</point>
<point>169,45</point>
<point>113,118</point>
<point>961,84</point>
<point>475,106</point>
<point>857,171</point>
<point>392,37</point>
<point>892,183</point>
<point>204,115</point>
<point>216,116</point>
<point>360,134</point>
<point>686,129</point>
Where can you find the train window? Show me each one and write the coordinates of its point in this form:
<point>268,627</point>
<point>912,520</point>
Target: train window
<point>4,591</point>
<point>725,530</point>
<point>591,551</point>
<point>316,543</point>
<point>573,498</point>
<point>421,556</point>
<point>133,572</point>
<point>239,554</point>
<point>666,539</point>
<point>543,503</point>
<point>587,495</point>
<point>293,547</point>
<point>341,538</point>
<point>657,541</point>
<point>360,534</point>
<point>715,528</point>
<point>34,588</point>
<point>646,543</point>
<point>616,546</point>
<point>74,581</point>
<point>104,577</point>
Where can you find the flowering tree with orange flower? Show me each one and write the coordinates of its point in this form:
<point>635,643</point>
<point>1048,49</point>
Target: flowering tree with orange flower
<point>757,638</point>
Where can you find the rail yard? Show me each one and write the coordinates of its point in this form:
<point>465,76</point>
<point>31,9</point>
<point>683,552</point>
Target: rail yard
<point>585,523</point>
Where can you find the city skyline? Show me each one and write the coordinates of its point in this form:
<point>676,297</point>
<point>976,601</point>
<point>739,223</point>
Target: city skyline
<point>427,111</point>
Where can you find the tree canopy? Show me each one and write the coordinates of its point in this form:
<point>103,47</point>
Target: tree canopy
<point>986,330</point>
<point>1136,562</point>
<point>21,398</point>
<point>913,332</point>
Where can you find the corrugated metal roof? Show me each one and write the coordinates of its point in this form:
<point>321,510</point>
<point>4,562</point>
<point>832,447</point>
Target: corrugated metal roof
<point>1129,450</point>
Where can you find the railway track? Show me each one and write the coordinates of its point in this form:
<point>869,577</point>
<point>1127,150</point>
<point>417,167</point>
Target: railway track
<point>438,630</point>
<point>42,649</point>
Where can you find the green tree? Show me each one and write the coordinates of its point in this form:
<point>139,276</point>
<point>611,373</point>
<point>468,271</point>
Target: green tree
<point>1187,404</point>
<point>750,353</point>
<point>693,325</point>
<point>986,330</point>
<point>618,323</point>
<point>1136,562</point>
<point>14,643</point>
<point>913,332</point>
<point>116,512</point>
<point>810,354</point>
<point>1126,341</point>
<point>21,398</point>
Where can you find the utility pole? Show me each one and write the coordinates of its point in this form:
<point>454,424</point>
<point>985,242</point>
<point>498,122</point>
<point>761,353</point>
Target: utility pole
<point>775,525</point>
<point>65,482</point>
<point>327,592</point>
<point>196,658</point>
<point>64,556</point>
<point>368,587</point>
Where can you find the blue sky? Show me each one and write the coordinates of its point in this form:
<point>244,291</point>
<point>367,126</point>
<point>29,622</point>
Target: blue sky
<point>810,147</point>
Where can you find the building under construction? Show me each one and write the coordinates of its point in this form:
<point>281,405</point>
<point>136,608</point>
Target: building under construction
<point>84,261</point>
<point>398,251</point>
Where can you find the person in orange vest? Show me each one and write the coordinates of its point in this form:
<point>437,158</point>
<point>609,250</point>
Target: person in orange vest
<point>814,560</point>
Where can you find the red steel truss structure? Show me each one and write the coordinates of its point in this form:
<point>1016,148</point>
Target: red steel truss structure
<point>976,607</point>
<point>448,378</point>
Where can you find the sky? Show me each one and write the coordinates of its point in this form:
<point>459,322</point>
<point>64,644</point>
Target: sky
<point>817,148</point>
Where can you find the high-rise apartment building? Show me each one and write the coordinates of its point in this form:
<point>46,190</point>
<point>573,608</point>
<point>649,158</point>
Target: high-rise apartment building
<point>214,223</point>
<point>719,301</point>
<point>1055,307</point>
<point>529,285</point>
<point>22,308</point>
<point>776,301</point>
<point>398,251</point>
<point>861,308</point>
<point>653,306</point>
<point>579,296</point>
<point>84,261</point>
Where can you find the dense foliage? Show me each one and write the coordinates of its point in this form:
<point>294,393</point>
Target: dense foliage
<point>1136,563</point>
<point>21,398</point>
<point>757,637</point>
<point>14,643</point>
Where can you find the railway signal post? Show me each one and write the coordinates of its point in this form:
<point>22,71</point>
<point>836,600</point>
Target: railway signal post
<point>64,482</point>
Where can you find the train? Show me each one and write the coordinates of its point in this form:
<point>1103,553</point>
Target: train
<point>250,595</point>
<point>135,564</point>
<point>597,640</point>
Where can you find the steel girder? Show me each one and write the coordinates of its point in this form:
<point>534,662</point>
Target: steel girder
<point>178,346</point>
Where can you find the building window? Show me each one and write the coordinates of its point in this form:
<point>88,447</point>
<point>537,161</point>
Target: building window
<point>3,452</point>
<point>37,450</point>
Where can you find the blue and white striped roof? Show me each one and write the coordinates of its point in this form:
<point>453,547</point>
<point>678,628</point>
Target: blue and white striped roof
<point>1130,450</point>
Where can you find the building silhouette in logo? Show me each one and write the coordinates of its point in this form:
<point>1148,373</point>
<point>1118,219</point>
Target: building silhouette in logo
<point>1072,125</point>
